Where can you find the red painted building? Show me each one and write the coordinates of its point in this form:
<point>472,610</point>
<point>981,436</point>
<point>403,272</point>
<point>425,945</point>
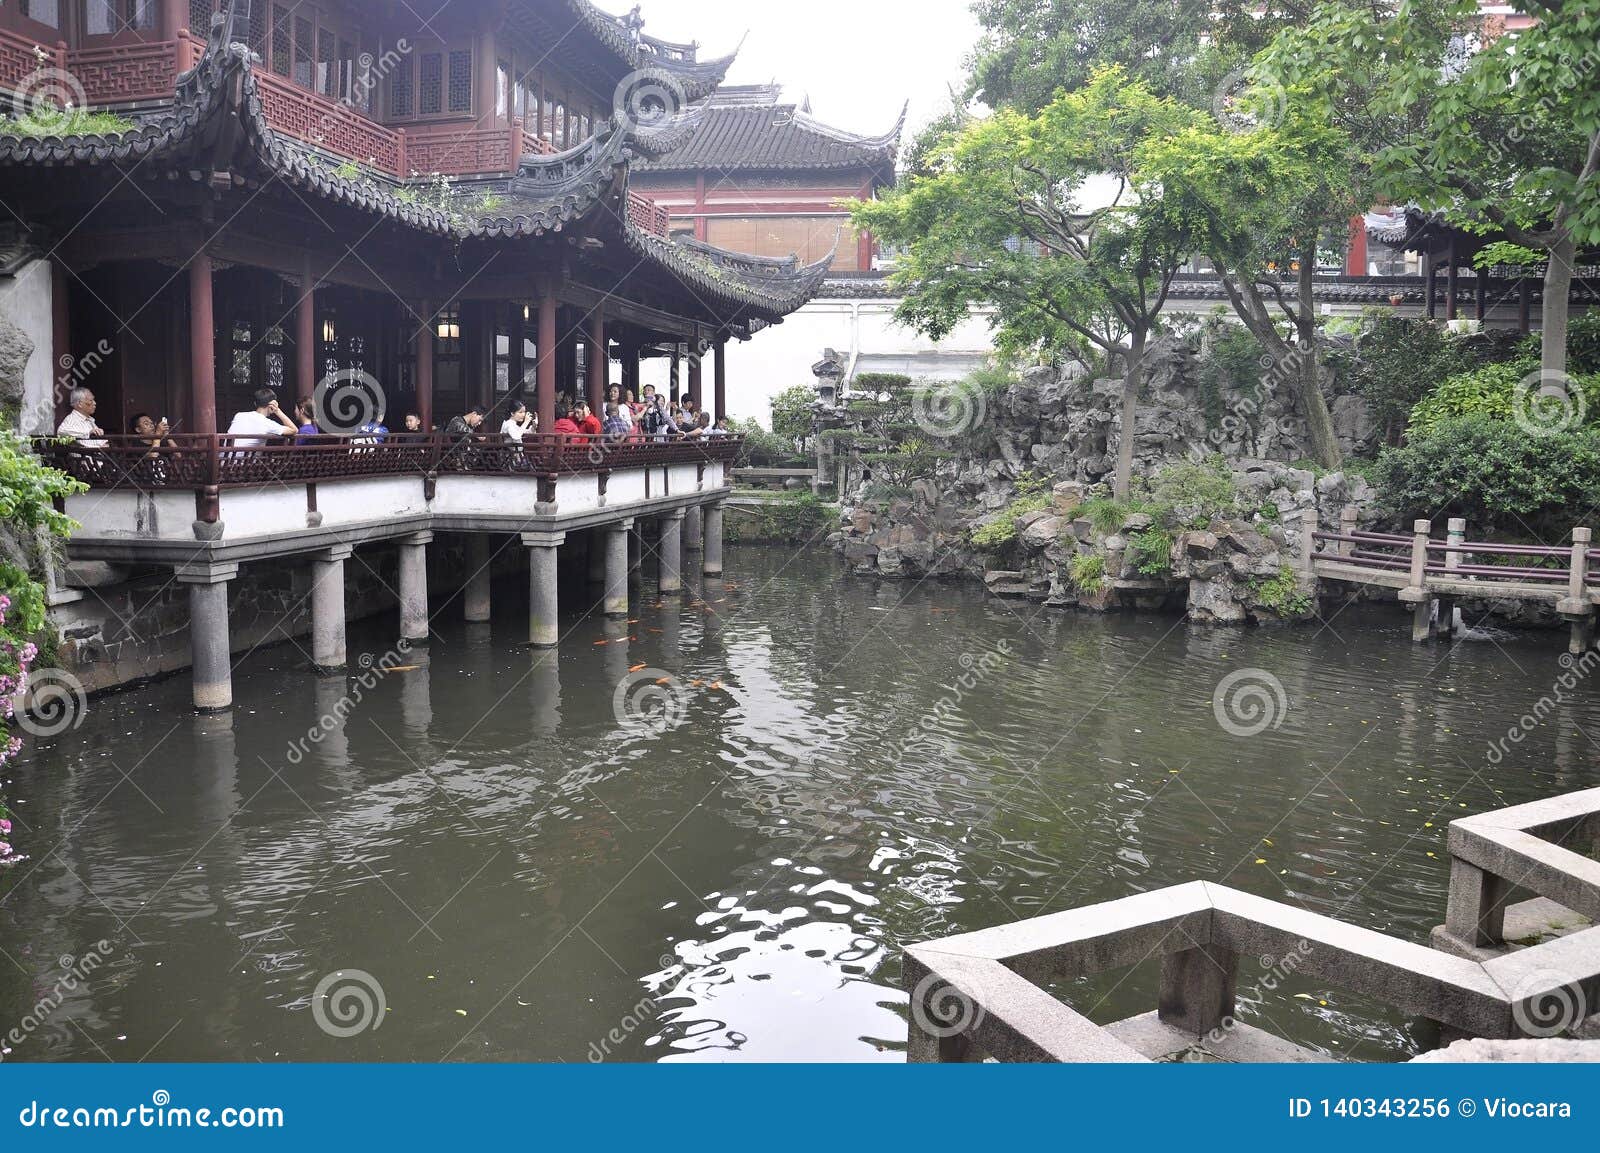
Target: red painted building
<point>766,177</point>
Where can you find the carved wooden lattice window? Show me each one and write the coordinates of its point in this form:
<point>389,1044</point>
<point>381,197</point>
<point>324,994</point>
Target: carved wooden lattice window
<point>461,80</point>
<point>257,32</point>
<point>282,40</point>
<point>200,12</point>
<point>402,89</point>
<point>303,37</point>
<point>327,63</point>
<point>431,84</point>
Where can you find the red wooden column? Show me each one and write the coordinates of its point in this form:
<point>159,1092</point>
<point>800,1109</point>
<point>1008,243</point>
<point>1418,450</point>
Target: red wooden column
<point>599,356</point>
<point>1355,257</point>
<point>305,334</point>
<point>720,384</point>
<point>175,18</point>
<point>202,346</point>
<point>423,343</point>
<point>547,364</point>
<point>696,374</point>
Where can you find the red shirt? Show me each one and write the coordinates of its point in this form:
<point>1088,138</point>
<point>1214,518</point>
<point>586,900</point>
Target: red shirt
<point>565,427</point>
<point>591,425</point>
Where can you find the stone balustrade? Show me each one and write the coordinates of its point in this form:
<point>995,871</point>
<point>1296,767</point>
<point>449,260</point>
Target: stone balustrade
<point>981,994</point>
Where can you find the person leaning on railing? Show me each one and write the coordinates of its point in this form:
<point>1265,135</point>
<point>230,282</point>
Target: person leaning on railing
<point>79,424</point>
<point>254,427</point>
<point>152,465</point>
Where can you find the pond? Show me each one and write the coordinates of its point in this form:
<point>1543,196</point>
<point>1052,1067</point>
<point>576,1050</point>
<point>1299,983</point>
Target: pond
<point>705,836</point>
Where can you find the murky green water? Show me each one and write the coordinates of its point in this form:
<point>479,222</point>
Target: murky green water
<point>526,879</point>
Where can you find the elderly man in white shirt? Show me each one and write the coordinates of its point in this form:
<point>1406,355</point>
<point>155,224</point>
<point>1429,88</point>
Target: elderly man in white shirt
<point>266,420</point>
<point>79,424</point>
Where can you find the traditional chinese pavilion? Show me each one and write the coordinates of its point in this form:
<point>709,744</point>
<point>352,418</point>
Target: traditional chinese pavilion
<point>312,188</point>
<point>280,195</point>
<point>764,176</point>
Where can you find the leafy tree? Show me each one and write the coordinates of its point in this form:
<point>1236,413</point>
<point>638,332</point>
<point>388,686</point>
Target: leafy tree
<point>1031,50</point>
<point>883,431</point>
<point>1260,190</point>
<point>1498,133</point>
<point>792,411</point>
<point>1009,217</point>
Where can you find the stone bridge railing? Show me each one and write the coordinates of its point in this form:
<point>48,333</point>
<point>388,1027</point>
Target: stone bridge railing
<point>981,994</point>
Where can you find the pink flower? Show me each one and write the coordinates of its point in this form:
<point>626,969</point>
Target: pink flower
<point>5,827</point>
<point>5,849</point>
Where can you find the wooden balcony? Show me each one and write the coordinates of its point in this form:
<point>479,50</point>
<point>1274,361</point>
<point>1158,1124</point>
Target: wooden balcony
<point>648,215</point>
<point>129,73</point>
<point>226,494</point>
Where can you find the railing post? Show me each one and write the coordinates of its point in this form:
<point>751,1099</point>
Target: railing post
<point>1452,561</point>
<point>1349,522</point>
<point>1576,606</point>
<point>400,153</point>
<point>1311,523</point>
<point>1416,594</point>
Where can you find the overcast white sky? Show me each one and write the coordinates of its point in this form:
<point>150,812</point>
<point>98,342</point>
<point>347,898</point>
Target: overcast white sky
<point>859,59</point>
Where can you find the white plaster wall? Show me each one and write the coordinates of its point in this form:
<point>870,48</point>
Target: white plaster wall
<point>486,495</point>
<point>26,301</point>
<point>864,332</point>
<point>248,513</point>
<point>145,516</point>
<point>364,501</point>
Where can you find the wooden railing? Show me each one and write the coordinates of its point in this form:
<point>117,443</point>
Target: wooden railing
<point>326,123</point>
<point>19,59</point>
<point>648,215</point>
<point>1427,571</point>
<point>196,462</point>
<point>128,72</point>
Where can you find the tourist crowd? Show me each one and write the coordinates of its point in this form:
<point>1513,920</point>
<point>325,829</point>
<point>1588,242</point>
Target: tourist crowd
<point>655,417</point>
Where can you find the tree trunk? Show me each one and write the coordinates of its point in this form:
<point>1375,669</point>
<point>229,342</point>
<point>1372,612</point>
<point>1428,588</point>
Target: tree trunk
<point>1134,367</point>
<point>1557,288</point>
<point>1324,441</point>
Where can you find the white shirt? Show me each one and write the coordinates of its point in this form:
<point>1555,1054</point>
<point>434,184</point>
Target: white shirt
<point>514,430</point>
<point>256,426</point>
<point>81,429</point>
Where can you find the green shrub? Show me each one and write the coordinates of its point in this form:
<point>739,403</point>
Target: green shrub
<point>1199,490</point>
<point>72,122</point>
<point>1399,360</point>
<point>1583,342</point>
<point>1089,572</point>
<point>1490,391</point>
<point>792,411</point>
<point>1001,532</point>
<point>1283,594</point>
<point>1150,552</point>
<point>1505,482</point>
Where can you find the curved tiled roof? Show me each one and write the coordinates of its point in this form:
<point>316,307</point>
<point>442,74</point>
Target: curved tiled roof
<point>194,134</point>
<point>770,137</point>
<point>622,36</point>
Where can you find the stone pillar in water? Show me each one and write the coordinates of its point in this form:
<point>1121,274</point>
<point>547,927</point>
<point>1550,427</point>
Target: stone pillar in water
<point>617,568</point>
<point>208,633</point>
<point>414,623</point>
<point>544,619</point>
<point>713,540</point>
<point>597,555</point>
<point>693,523</point>
<point>477,596</point>
<point>328,656</point>
<point>671,553</point>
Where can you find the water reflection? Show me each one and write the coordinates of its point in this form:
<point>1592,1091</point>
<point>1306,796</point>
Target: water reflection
<point>857,766</point>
